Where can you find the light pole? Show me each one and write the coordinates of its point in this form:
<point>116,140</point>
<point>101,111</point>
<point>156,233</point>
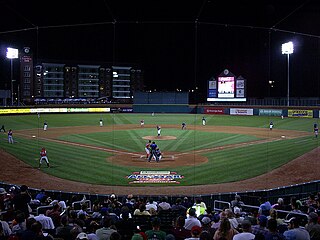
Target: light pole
<point>12,53</point>
<point>287,48</point>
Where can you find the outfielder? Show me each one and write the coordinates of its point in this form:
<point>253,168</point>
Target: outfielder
<point>45,126</point>
<point>43,157</point>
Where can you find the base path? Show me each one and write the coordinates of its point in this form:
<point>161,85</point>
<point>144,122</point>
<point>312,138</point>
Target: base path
<point>302,169</point>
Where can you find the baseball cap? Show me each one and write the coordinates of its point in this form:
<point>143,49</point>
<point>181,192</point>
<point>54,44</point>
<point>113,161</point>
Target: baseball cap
<point>82,235</point>
<point>196,230</point>
<point>206,220</point>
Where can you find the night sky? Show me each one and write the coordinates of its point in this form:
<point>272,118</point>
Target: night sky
<point>178,44</point>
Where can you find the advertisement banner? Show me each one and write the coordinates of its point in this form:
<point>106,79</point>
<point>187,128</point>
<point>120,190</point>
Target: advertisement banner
<point>211,110</point>
<point>300,113</point>
<point>154,177</point>
<point>241,111</point>
<point>51,110</point>
<point>270,112</point>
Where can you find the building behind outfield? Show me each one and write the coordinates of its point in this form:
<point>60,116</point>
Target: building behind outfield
<point>60,80</point>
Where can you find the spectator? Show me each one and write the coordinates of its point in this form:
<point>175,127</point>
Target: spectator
<point>313,226</point>
<point>28,233</point>
<point>106,230</point>
<point>237,214</point>
<point>142,210</point>
<point>164,205</point>
<point>64,230</point>
<point>246,232</point>
<point>191,220</point>
<point>274,215</point>
<point>265,206</point>
<point>125,226</point>
<point>178,208</point>
<point>179,230</point>
<point>279,205</point>
<point>45,221</point>
<point>295,232</point>
<point>272,233</point>
<point>82,236</point>
<point>54,213</point>
<point>21,200</point>
<point>261,227</point>
<point>195,233</point>
<point>237,202</point>
<point>151,204</point>
<point>41,196</point>
<point>155,232</point>
<point>186,202</point>
<point>233,221</point>
<point>6,230</point>
<point>225,231</point>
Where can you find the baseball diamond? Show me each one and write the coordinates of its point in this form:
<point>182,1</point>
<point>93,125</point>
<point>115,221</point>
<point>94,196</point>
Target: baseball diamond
<point>227,154</point>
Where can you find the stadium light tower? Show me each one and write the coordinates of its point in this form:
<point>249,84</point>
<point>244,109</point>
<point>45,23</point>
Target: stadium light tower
<point>287,48</point>
<point>12,53</point>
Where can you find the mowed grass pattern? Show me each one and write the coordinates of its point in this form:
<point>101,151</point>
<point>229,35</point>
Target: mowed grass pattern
<point>89,165</point>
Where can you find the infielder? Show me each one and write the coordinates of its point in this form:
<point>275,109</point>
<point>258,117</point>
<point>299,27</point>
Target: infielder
<point>159,130</point>
<point>45,126</point>
<point>147,148</point>
<point>43,157</point>
<point>271,125</point>
<point>183,126</point>
<point>10,139</point>
<point>203,121</point>
<point>101,123</point>
<point>142,123</point>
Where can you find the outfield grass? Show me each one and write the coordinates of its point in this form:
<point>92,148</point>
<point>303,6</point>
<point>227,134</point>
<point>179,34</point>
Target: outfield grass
<point>87,165</point>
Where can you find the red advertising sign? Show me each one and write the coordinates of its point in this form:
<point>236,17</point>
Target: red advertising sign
<point>211,110</point>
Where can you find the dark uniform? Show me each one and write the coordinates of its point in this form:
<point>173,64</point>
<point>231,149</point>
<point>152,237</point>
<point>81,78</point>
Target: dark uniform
<point>153,149</point>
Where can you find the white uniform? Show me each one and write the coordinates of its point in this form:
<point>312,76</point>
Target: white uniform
<point>45,126</point>
<point>159,130</point>
<point>101,123</point>
<point>203,121</point>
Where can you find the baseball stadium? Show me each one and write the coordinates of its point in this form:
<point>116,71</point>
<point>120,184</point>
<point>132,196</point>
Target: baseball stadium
<point>177,118</point>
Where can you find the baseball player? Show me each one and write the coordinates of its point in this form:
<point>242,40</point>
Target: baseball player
<point>10,139</point>
<point>43,157</point>
<point>101,123</point>
<point>147,148</point>
<point>142,123</point>
<point>159,130</point>
<point>271,125</point>
<point>183,126</point>
<point>315,130</point>
<point>2,129</point>
<point>153,148</point>
<point>45,126</point>
<point>204,121</point>
<point>159,154</point>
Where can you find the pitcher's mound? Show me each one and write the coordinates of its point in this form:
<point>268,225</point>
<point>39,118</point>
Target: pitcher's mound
<point>159,138</point>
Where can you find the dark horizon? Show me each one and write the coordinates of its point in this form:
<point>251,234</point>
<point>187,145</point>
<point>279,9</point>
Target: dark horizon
<point>175,51</point>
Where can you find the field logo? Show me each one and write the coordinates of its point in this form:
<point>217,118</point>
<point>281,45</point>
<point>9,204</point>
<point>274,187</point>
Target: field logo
<point>154,177</point>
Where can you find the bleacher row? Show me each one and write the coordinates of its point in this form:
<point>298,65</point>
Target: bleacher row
<point>113,207</point>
